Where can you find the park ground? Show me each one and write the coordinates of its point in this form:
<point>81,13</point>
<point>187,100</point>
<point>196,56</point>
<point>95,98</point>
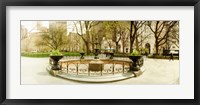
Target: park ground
<point>157,72</point>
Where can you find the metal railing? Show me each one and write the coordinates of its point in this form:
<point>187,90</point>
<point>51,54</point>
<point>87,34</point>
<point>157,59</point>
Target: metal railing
<point>73,65</point>
<point>101,56</point>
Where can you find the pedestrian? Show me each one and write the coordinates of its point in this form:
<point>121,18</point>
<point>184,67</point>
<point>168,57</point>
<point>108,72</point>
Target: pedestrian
<point>171,56</point>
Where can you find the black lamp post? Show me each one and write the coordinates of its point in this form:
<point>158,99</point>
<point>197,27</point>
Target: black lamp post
<point>96,50</point>
<point>82,54</point>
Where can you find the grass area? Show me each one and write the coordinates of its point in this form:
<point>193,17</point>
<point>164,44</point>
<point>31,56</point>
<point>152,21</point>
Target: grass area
<point>162,57</point>
<point>33,54</point>
<point>120,55</point>
<point>47,54</point>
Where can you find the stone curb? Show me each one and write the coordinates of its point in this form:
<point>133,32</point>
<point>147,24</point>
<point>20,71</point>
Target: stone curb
<point>95,79</point>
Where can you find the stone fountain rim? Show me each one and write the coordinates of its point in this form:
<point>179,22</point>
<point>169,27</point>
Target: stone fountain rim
<point>112,60</point>
<point>95,79</point>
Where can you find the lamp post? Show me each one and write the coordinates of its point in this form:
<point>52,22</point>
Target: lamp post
<point>96,50</point>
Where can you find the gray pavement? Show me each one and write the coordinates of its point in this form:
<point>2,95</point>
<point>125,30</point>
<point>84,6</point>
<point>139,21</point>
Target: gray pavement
<point>33,71</point>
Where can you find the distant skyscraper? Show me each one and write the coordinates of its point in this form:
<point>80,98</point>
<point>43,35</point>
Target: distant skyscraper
<point>58,24</point>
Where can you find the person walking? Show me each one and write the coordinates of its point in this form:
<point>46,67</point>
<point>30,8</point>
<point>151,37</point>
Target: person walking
<point>171,56</point>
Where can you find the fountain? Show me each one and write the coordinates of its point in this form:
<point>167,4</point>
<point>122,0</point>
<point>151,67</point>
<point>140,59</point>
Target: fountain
<point>97,69</point>
<point>96,64</point>
<point>96,50</point>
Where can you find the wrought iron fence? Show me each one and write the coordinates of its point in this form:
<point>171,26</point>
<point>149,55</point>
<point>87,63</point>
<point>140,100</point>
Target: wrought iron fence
<point>101,56</point>
<point>73,65</point>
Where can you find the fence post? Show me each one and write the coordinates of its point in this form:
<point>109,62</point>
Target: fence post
<point>77,68</point>
<point>123,67</point>
<point>113,69</point>
<point>67,67</point>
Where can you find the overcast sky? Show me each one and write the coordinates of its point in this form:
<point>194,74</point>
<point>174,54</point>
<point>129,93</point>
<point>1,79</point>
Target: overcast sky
<point>31,25</point>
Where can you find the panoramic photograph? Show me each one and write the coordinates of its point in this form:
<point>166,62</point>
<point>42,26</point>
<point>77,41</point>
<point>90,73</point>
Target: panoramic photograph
<point>134,52</point>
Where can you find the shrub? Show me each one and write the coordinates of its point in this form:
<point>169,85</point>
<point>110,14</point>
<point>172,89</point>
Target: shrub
<point>161,57</point>
<point>26,54</point>
<point>135,53</point>
<point>56,53</point>
<point>120,55</point>
<point>46,54</point>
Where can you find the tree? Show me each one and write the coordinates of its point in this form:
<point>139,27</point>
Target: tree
<point>108,33</point>
<point>97,34</point>
<point>115,30</point>
<point>83,29</point>
<point>124,40</point>
<point>141,37</point>
<point>161,30</point>
<point>73,42</point>
<point>111,33</point>
<point>174,35</point>
<point>54,38</point>
<point>122,32</point>
<point>134,31</point>
<point>40,43</point>
<point>24,32</point>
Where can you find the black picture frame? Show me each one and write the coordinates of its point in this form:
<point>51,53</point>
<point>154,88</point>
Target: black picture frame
<point>5,3</point>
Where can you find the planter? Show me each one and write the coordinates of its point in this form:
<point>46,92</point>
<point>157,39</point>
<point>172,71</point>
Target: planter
<point>55,59</point>
<point>137,62</point>
<point>96,53</point>
<point>111,55</point>
<point>82,54</point>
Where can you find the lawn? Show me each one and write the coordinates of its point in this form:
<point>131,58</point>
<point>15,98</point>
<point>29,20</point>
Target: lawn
<point>46,54</point>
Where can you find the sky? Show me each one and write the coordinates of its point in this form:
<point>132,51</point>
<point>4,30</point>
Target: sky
<point>31,25</point>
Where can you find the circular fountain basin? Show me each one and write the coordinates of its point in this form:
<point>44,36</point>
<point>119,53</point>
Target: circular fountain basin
<point>95,70</point>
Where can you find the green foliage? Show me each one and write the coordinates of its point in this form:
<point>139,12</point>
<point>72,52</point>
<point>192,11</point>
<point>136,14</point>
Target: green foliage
<point>162,57</point>
<point>120,55</point>
<point>71,54</point>
<point>135,53</point>
<point>56,53</point>
<point>144,50</point>
<point>46,54</point>
<point>54,38</point>
<point>108,27</point>
<point>113,27</point>
<point>37,55</point>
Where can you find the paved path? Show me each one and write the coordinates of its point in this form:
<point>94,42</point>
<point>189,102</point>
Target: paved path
<point>33,71</point>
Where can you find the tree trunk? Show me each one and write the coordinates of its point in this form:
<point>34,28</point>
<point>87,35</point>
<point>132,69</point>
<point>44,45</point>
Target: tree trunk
<point>123,48</point>
<point>116,43</point>
<point>136,43</point>
<point>131,38</point>
<point>93,46</point>
<point>131,46</point>
<point>86,45</point>
<point>157,46</point>
<point>87,39</point>
<point>87,48</point>
<point>100,48</point>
